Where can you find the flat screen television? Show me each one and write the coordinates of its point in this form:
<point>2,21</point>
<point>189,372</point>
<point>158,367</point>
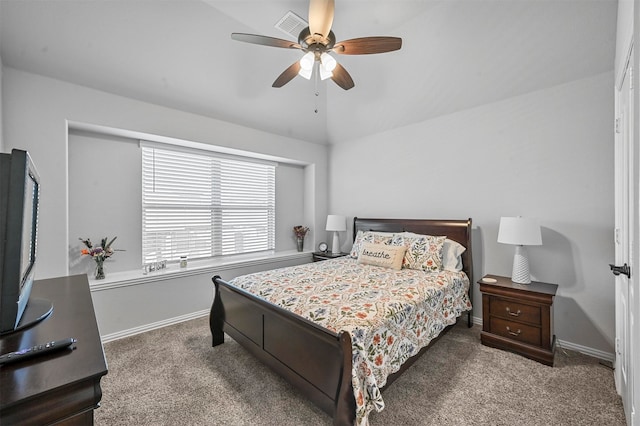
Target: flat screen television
<point>19,202</point>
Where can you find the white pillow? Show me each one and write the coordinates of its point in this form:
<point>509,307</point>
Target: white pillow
<point>452,255</point>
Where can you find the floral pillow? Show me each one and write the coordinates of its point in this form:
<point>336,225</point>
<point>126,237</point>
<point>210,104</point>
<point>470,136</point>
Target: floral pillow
<point>363,237</point>
<point>424,252</point>
<point>451,253</point>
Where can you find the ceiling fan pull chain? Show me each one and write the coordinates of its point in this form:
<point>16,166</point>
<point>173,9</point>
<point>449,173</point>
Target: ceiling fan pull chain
<point>315,83</point>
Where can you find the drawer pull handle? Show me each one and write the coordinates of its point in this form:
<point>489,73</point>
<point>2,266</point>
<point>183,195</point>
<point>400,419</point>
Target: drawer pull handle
<point>516,314</point>
<point>516,334</point>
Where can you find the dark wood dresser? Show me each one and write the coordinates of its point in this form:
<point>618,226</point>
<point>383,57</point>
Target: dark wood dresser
<point>518,317</point>
<point>61,387</point>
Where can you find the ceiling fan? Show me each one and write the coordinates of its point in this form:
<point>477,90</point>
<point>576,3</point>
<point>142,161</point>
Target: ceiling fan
<point>317,40</point>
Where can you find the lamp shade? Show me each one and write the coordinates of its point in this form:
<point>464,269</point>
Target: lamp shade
<point>336,223</point>
<point>519,231</point>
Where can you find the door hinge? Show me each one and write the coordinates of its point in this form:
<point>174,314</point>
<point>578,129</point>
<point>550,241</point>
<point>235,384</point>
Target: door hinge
<point>617,125</point>
<point>618,346</point>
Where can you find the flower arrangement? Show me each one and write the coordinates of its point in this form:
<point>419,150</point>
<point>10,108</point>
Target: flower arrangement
<point>300,231</point>
<point>98,253</point>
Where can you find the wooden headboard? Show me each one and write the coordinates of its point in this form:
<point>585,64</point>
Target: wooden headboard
<point>457,230</point>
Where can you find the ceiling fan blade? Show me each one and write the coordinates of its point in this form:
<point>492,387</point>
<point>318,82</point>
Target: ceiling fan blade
<point>321,17</point>
<point>368,45</point>
<point>287,75</point>
<point>342,78</point>
<point>265,41</point>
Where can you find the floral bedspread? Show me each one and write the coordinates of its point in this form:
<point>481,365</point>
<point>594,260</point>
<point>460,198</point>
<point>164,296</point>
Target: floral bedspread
<point>389,314</point>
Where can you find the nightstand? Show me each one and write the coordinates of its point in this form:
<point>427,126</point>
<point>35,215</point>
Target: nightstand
<point>326,255</point>
<point>519,317</point>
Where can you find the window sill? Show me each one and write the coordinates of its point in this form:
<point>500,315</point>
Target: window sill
<point>197,267</point>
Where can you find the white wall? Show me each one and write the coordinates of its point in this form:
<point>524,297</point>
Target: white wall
<point>36,111</point>
<point>547,154</point>
<point>105,193</point>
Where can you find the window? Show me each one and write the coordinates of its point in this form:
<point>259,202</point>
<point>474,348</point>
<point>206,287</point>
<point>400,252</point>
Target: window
<point>204,204</point>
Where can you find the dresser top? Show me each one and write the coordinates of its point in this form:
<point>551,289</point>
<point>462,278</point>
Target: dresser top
<point>73,316</point>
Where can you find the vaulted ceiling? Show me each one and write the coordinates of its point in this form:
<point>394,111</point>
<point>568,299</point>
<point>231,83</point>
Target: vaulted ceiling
<point>456,54</point>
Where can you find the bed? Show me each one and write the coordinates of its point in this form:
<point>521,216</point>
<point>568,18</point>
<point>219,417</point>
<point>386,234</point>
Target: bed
<point>325,360</point>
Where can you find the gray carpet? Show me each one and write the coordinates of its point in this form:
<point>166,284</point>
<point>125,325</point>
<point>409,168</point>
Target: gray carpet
<point>173,376</point>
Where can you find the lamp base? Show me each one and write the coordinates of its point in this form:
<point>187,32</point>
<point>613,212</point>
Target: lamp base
<point>520,273</point>
<point>335,248</point>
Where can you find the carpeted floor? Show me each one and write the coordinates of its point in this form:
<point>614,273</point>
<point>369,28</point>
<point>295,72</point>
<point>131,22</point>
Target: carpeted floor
<point>172,376</point>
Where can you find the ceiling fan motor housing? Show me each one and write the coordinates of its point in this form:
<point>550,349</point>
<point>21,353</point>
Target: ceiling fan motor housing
<point>316,42</point>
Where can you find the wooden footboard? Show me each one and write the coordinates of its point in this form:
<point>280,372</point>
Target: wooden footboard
<point>315,360</point>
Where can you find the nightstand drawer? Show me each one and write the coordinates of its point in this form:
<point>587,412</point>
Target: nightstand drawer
<point>516,331</point>
<point>510,310</point>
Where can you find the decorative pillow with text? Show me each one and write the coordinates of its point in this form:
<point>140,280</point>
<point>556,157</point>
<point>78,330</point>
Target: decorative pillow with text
<point>382,255</point>
<point>363,237</point>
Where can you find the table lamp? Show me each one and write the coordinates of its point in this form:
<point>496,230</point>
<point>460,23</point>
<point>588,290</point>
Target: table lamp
<point>520,232</point>
<point>336,223</point>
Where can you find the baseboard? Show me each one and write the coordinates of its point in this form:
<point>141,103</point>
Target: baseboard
<point>153,326</point>
<point>596,353</point>
<point>477,320</point>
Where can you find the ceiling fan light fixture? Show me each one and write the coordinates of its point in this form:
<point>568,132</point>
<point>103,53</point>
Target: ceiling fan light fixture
<point>324,72</point>
<point>306,73</point>
<point>306,63</point>
<point>328,62</point>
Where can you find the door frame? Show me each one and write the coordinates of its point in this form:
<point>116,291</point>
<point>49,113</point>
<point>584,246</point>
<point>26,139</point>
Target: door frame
<point>627,215</point>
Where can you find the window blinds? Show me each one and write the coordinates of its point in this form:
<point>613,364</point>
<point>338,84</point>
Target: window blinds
<point>201,204</point>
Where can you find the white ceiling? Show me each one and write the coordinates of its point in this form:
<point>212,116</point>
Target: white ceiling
<point>456,54</point>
